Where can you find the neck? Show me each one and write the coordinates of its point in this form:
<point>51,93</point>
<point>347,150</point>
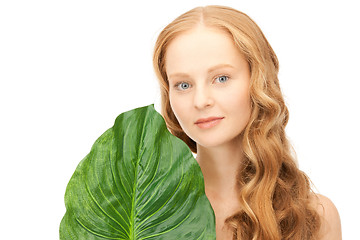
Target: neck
<point>219,166</point>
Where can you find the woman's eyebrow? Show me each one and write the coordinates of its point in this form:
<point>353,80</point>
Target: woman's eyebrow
<point>222,65</point>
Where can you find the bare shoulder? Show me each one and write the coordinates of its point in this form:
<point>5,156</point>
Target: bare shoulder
<point>330,219</point>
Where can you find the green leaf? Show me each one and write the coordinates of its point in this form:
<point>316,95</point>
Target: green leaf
<point>138,182</point>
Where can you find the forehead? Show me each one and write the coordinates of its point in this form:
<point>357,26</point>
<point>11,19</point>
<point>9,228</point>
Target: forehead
<point>199,48</point>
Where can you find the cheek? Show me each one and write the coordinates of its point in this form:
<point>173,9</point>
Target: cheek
<point>178,106</point>
<point>238,101</point>
<point>237,94</point>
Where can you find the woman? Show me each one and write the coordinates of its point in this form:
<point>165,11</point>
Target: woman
<point>220,94</point>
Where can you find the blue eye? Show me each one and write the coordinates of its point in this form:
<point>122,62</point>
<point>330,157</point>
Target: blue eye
<point>222,78</point>
<point>183,85</point>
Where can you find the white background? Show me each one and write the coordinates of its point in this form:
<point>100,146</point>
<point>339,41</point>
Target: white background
<point>68,68</point>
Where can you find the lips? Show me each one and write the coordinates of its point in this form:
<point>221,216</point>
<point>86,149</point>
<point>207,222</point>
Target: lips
<point>209,119</point>
<point>206,123</point>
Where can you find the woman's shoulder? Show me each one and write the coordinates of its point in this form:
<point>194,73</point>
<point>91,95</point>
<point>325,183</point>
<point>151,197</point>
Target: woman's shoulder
<point>330,219</point>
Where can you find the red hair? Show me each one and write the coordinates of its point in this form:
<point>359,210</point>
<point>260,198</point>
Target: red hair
<point>274,194</point>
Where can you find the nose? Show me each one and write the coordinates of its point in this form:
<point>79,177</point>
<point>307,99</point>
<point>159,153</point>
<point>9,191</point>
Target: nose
<point>203,98</point>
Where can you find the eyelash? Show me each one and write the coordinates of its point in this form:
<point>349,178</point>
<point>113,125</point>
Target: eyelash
<point>178,84</point>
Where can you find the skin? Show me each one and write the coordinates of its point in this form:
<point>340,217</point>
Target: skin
<point>199,87</point>
<point>203,94</point>
<point>330,224</point>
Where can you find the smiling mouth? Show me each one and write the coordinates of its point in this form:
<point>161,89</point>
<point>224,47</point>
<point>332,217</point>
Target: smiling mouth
<point>208,124</point>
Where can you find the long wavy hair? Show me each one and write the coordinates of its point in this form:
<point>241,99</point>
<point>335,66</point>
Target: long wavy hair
<point>275,196</point>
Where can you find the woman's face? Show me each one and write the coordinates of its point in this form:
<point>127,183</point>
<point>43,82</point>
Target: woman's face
<point>208,77</point>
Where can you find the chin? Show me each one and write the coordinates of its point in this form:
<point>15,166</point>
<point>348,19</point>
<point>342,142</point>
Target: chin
<point>210,142</point>
<point>217,141</point>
